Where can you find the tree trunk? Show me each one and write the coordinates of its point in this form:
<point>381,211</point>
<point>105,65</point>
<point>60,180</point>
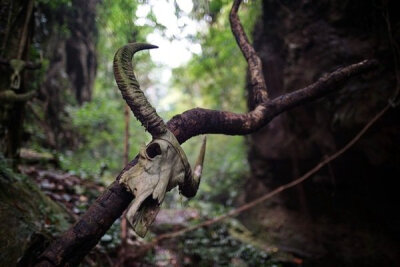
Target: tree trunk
<point>72,67</point>
<point>16,35</point>
<point>347,215</point>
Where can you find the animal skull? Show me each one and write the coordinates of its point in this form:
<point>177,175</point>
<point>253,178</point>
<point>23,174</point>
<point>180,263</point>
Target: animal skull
<point>162,165</point>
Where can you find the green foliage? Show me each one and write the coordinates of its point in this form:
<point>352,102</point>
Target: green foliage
<point>218,73</point>
<point>225,168</point>
<point>100,123</point>
<point>55,4</point>
<point>213,79</point>
<point>116,28</point>
<point>214,246</point>
<point>216,79</point>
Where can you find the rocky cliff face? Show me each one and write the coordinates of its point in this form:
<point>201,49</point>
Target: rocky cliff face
<point>346,214</point>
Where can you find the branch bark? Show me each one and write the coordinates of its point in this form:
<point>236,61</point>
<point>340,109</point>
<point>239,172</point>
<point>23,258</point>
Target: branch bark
<point>74,244</point>
<point>257,80</point>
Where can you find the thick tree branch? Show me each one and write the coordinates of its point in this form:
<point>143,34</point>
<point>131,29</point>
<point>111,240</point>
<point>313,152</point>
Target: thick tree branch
<point>74,244</point>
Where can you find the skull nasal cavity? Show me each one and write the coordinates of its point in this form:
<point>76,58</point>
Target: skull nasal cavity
<point>153,150</point>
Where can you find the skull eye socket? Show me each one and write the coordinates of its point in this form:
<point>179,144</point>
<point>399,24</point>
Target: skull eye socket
<point>153,150</point>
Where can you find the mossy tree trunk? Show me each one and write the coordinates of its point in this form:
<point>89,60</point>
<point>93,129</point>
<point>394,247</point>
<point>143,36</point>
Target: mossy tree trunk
<point>15,38</point>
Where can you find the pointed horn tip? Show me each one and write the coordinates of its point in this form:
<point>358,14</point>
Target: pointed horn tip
<point>141,46</point>
<point>200,158</point>
<point>204,142</point>
<point>133,48</point>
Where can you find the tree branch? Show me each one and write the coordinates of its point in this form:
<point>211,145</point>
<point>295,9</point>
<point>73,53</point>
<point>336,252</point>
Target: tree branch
<point>74,244</point>
<point>255,65</point>
<point>205,121</point>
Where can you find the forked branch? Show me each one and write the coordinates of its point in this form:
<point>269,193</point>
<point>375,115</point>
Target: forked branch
<point>206,121</point>
<point>74,244</point>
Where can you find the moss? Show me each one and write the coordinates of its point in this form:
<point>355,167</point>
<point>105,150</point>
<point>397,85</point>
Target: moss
<point>28,218</point>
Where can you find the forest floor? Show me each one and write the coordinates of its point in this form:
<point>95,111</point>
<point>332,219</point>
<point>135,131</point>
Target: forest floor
<point>225,243</point>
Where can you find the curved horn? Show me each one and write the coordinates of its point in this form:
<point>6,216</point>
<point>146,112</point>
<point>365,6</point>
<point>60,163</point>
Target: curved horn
<point>131,92</point>
<point>192,178</point>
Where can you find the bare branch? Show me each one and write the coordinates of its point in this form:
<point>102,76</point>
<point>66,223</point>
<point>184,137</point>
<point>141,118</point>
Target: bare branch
<point>255,65</point>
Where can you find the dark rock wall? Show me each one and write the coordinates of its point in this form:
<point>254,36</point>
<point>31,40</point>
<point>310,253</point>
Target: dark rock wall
<point>346,215</point>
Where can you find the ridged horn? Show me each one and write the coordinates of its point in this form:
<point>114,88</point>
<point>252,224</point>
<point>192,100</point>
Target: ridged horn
<point>192,180</point>
<point>131,92</point>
